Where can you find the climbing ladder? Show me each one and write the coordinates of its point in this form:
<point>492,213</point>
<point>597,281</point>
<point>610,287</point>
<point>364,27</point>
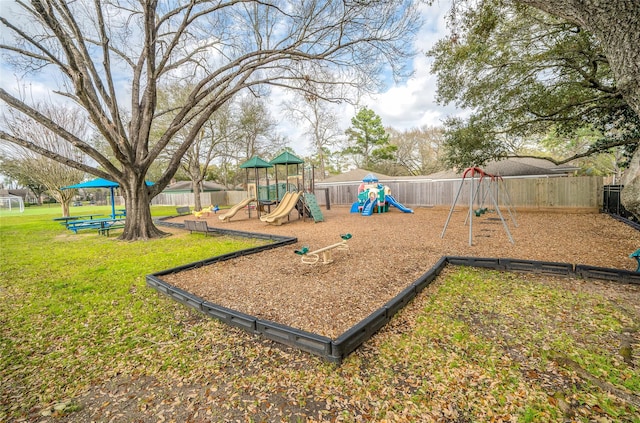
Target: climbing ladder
<point>312,206</point>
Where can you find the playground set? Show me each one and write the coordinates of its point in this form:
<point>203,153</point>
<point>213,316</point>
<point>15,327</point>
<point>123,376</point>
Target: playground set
<point>481,187</point>
<point>295,192</point>
<point>487,185</point>
<point>375,197</point>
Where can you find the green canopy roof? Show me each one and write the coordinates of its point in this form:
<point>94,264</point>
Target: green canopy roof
<point>286,158</point>
<point>255,162</point>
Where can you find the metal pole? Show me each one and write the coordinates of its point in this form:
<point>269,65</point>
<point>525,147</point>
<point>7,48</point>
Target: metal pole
<point>506,228</point>
<point>471,195</point>
<point>113,204</point>
<point>452,207</point>
<point>508,203</point>
<point>476,195</point>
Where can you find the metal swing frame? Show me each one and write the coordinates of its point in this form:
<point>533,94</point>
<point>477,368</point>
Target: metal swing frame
<point>473,194</point>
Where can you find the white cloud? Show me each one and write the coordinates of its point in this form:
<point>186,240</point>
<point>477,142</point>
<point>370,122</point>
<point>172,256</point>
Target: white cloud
<point>411,103</point>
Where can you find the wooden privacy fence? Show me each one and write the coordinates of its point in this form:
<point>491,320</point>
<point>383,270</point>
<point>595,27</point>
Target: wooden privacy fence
<point>582,192</point>
<point>221,198</point>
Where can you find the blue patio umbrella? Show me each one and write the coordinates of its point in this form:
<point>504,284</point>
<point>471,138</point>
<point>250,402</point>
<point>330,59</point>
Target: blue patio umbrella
<point>102,183</point>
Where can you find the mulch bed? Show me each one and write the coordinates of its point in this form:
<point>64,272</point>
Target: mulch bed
<point>387,252</point>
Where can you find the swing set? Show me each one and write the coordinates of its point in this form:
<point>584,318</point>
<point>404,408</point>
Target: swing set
<point>487,183</point>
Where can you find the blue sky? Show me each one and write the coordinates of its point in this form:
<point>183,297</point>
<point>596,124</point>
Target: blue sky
<point>403,106</point>
<point>410,104</point>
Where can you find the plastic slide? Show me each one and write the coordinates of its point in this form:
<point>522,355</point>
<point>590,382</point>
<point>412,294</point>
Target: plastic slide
<point>233,210</point>
<point>355,207</point>
<point>283,203</point>
<point>367,209</point>
<point>391,200</point>
<point>277,218</point>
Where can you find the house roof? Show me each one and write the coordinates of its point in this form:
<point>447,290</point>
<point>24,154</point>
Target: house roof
<point>355,175</point>
<point>14,193</point>
<point>513,166</point>
<point>186,186</point>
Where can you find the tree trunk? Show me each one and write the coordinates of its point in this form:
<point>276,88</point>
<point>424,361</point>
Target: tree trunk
<point>616,23</point>
<point>64,197</point>
<point>65,208</point>
<point>139,224</point>
<point>197,204</point>
<point>630,195</point>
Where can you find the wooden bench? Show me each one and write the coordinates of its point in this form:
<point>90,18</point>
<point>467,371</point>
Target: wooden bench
<point>197,226</point>
<point>183,210</point>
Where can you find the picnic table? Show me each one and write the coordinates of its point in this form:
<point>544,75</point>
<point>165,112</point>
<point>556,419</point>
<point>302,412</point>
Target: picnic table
<point>66,219</point>
<point>102,225</point>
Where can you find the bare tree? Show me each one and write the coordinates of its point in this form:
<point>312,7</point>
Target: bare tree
<point>53,174</point>
<point>205,147</point>
<point>218,47</point>
<point>319,124</point>
<point>254,128</point>
<point>17,173</point>
<point>202,152</point>
<point>419,149</point>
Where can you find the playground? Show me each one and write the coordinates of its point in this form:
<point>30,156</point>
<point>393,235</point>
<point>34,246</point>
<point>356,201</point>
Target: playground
<point>139,356</point>
<point>386,252</point>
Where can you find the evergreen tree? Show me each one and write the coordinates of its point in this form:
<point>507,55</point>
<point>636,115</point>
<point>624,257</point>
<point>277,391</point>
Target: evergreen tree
<point>369,144</point>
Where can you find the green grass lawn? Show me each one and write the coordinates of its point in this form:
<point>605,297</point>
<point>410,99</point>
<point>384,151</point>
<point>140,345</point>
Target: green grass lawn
<point>75,308</point>
<point>75,312</point>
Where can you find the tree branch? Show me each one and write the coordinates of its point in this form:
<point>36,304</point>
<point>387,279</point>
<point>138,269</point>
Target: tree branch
<point>594,149</point>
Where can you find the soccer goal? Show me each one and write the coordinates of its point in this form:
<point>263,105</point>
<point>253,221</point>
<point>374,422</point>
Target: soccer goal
<point>11,202</point>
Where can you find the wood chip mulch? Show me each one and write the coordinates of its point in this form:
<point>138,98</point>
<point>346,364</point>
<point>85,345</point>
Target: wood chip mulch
<point>386,253</point>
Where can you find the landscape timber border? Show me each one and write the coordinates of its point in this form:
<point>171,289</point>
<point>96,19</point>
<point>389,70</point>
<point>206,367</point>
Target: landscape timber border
<point>336,350</point>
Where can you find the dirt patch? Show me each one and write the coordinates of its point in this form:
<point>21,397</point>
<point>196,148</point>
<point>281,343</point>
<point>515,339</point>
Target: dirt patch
<point>386,253</point>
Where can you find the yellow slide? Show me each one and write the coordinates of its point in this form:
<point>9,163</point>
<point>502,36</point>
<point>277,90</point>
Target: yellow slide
<point>233,210</point>
<point>283,203</point>
<point>276,219</point>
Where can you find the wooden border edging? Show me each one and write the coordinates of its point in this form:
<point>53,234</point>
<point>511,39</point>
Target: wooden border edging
<point>337,350</point>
